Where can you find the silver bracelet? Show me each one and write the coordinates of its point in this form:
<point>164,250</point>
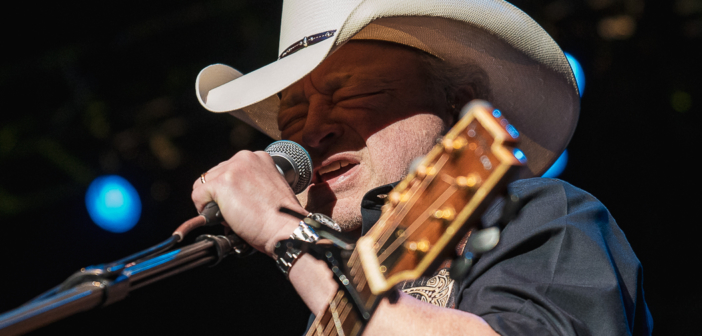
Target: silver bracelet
<point>324,220</point>
<point>305,233</point>
<point>286,261</point>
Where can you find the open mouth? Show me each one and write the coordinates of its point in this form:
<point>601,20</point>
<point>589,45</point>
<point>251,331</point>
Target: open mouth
<point>334,170</point>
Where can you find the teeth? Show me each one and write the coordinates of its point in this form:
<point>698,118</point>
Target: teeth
<point>330,168</point>
<point>336,165</point>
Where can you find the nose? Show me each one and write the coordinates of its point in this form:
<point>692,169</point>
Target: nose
<point>321,130</point>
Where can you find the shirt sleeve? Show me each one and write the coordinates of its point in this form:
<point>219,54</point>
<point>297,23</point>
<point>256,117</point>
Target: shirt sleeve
<point>562,267</point>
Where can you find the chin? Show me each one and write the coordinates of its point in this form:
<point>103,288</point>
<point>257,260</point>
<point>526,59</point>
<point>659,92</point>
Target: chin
<point>346,211</point>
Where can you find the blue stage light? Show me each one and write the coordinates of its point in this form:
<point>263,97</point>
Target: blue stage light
<point>558,166</point>
<point>577,71</point>
<point>520,155</point>
<point>113,204</point>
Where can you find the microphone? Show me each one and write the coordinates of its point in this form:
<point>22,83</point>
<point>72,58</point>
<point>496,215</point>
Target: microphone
<point>291,160</point>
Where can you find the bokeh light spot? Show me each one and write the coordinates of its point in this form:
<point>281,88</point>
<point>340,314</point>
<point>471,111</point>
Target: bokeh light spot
<point>512,131</point>
<point>114,198</point>
<point>113,203</point>
<point>681,101</point>
<point>619,27</point>
<point>578,72</point>
<point>558,166</point>
<point>520,155</point>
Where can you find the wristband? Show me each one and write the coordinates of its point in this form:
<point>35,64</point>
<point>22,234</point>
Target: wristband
<point>325,220</point>
<point>287,259</point>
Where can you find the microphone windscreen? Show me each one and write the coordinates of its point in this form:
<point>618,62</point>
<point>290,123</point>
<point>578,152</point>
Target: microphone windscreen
<point>293,162</point>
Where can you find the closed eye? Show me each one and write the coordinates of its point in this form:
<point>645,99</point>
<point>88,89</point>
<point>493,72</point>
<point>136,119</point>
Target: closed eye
<point>290,115</point>
<point>357,96</point>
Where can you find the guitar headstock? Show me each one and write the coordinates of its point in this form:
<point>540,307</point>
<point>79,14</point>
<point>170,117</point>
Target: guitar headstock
<point>428,212</point>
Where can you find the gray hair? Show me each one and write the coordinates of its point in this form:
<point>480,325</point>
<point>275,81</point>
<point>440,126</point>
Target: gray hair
<point>445,80</point>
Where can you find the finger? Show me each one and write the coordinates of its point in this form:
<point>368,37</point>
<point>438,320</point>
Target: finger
<point>209,175</point>
<point>205,187</point>
<point>268,164</point>
<point>201,196</point>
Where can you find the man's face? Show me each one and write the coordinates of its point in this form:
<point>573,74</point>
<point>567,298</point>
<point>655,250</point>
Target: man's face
<point>363,115</point>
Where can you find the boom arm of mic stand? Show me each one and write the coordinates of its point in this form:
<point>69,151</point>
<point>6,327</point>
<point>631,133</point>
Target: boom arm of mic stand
<point>93,287</point>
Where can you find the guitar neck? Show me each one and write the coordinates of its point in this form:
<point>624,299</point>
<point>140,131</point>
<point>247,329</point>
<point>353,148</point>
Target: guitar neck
<point>427,214</point>
<point>341,317</point>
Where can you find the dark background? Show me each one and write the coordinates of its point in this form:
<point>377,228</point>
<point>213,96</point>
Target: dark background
<point>108,88</point>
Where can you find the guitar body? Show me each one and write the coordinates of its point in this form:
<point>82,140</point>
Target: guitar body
<point>426,215</point>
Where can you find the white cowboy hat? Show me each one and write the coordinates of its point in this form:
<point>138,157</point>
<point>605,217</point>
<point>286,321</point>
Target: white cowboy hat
<point>530,78</point>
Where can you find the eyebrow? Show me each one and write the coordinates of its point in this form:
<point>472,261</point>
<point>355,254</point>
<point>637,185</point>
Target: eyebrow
<point>334,80</point>
<point>290,100</point>
<point>338,80</point>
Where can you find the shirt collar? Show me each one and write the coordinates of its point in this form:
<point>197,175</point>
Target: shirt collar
<point>372,204</point>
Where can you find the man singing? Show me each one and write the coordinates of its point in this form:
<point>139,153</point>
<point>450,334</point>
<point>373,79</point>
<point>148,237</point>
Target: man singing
<point>366,87</point>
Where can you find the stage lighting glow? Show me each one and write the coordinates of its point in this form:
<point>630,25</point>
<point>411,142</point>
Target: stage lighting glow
<point>578,72</point>
<point>512,131</point>
<point>520,155</point>
<point>113,204</point>
<point>558,166</point>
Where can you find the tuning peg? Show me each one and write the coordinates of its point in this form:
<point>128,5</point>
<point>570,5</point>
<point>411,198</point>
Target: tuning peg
<point>478,243</point>
<point>461,266</point>
<point>513,204</point>
<point>415,163</point>
<point>483,240</point>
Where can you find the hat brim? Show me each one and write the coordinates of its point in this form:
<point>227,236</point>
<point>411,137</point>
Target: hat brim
<point>530,78</point>
<point>252,97</point>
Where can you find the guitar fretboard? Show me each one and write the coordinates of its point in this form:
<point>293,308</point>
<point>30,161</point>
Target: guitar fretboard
<point>427,214</point>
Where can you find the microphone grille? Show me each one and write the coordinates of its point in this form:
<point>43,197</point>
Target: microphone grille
<point>300,159</point>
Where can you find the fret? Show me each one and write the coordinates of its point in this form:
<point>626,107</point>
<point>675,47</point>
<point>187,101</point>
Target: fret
<point>340,318</point>
<point>329,330</point>
<point>427,214</point>
<point>344,317</point>
<point>417,223</point>
<point>335,314</point>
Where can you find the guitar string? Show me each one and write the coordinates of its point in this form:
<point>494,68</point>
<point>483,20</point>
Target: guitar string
<point>405,207</point>
<point>335,314</point>
<point>444,196</point>
<point>356,328</point>
<point>345,312</point>
<point>385,233</point>
<point>450,191</point>
<point>319,320</point>
<point>355,258</point>
<point>357,272</point>
<point>354,262</point>
<point>400,211</point>
<point>414,191</point>
<point>340,318</point>
<point>330,327</point>
<point>316,326</point>
<point>416,195</point>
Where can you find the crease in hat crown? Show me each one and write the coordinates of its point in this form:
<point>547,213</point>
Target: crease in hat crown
<point>535,62</point>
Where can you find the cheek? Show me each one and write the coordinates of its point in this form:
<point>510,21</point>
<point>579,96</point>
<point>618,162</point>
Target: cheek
<point>393,149</point>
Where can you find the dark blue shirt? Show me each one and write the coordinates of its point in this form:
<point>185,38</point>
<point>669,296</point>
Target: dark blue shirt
<point>562,267</point>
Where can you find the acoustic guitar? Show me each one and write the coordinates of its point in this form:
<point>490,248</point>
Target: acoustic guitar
<point>425,216</point>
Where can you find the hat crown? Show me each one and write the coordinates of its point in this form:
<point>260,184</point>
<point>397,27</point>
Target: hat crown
<point>308,17</point>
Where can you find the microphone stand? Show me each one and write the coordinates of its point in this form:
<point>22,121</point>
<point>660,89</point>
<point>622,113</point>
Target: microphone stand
<point>105,284</point>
